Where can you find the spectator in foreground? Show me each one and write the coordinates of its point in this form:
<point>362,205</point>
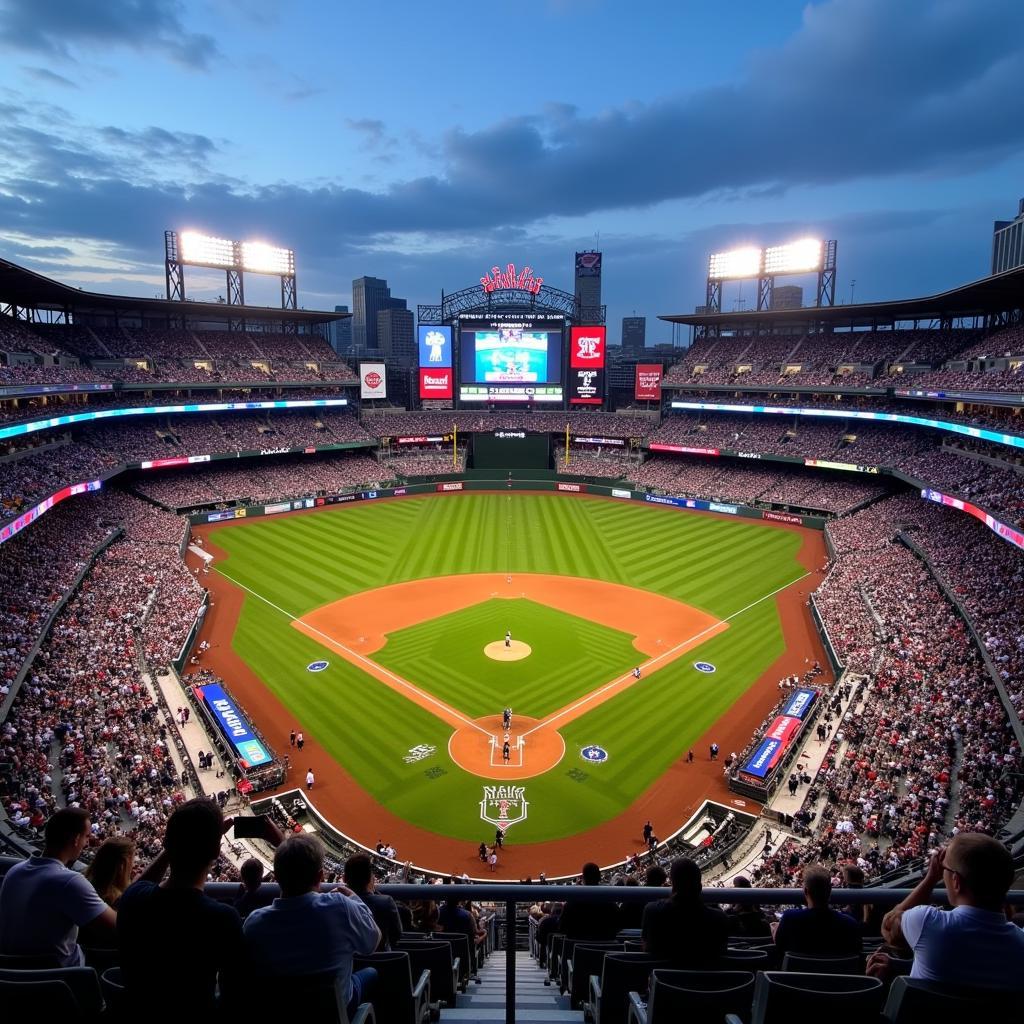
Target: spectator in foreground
<point>588,919</point>
<point>973,944</point>
<point>359,878</point>
<point>251,897</point>
<point>682,929</point>
<point>747,919</point>
<point>817,929</point>
<point>163,922</point>
<point>43,903</point>
<point>111,869</point>
<point>305,931</point>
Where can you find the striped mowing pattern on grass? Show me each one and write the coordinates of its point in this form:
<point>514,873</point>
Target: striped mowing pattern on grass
<point>302,562</point>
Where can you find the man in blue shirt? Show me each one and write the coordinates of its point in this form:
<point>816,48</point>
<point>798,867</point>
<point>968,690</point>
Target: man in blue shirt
<point>43,903</point>
<point>817,929</point>
<point>973,944</point>
<point>306,931</point>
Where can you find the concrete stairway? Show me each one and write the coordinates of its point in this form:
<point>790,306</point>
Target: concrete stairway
<point>535,1003</point>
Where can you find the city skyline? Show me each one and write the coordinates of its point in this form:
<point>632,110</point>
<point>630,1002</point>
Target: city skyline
<point>895,129</point>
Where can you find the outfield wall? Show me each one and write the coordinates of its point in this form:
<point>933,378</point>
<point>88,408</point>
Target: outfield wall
<point>456,484</point>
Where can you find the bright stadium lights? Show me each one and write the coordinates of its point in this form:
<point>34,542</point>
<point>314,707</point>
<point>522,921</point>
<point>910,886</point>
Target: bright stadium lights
<point>798,257</point>
<point>205,249</point>
<point>267,259</point>
<point>737,263</point>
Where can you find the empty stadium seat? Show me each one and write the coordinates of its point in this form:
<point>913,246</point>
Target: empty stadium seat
<point>781,998</point>
<point>437,959</point>
<point>397,998</point>
<point>697,997</point>
<point>621,973</point>
<point>82,982</point>
<point>912,1000</point>
<point>587,960</point>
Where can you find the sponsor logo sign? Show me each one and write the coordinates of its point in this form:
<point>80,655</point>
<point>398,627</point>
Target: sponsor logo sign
<point>648,382</point>
<point>849,467</point>
<point>762,760</point>
<point>574,488</point>
<point>729,510</point>
<point>801,703</point>
<point>419,753</point>
<point>275,451</point>
<point>508,435</point>
<point>748,455</point>
<point>179,460</point>
<point>239,513</point>
<point>317,666</point>
<point>704,666</point>
<point>586,387</point>
<point>232,723</point>
<point>436,382</point>
<point>455,485</point>
<point>659,499</point>
<point>681,449</point>
<point>610,442</point>
<point>373,380</point>
<point>587,347</point>
<point>782,517</point>
<point>399,490</point>
<point>588,264</point>
<point>367,495</point>
<point>278,506</point>
<point>503,806</point>
<point>421,439</point>
<point>219,517</point>
<point>435,344</point>
<point>1008,533</point>
<point>341,498</point>
<point>499,279</point>
<point>594,754</point>
<point>618,492</point>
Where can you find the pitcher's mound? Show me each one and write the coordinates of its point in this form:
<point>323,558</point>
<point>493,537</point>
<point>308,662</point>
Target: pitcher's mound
<point>499,652</point>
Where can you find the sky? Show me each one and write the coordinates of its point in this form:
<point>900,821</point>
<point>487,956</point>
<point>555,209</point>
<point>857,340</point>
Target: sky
<point>426,142</point>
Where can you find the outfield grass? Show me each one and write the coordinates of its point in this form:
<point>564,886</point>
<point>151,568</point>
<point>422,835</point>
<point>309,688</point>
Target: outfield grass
<point>302,562</point>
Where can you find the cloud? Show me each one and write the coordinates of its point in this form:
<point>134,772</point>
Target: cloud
<point>49,77</point>
<point>58,27</point>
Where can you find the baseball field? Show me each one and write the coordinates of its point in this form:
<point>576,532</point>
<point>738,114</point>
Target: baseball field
<point>408,603</point>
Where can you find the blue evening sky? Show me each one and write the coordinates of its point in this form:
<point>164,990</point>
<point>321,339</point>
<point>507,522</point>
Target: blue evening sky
<point>425,142</point>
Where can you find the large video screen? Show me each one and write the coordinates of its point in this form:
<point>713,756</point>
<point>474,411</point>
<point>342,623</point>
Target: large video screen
<point>516,360</point>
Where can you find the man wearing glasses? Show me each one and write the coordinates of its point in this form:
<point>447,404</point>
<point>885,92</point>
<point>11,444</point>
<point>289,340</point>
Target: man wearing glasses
<point>973,944</point>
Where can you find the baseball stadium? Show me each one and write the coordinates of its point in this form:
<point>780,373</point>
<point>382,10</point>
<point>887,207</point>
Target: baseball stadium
<point>502,669</point>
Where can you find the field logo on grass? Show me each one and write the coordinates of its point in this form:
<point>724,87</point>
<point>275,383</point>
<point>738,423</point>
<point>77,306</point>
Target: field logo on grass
<point>594,754</point>
<point>502,806</point>
<point>317,666</point>
<point>704,666</point>
<point>419,752</point>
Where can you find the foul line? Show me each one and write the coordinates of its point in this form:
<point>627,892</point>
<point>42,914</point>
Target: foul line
<point>583,701</point>
<point>423,695</point>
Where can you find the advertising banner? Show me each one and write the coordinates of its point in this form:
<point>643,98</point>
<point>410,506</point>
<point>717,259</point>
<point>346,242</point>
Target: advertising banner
<point>233,725</point>
<point>618,492</point>
<point>586,386</point>
<point>1008,533</point>
<point>587,348</point>
<point>572,488</point>
<point>648,382</point>
<point>605,442</point>
<point>454,485</point>
<point>435,344</point>
<point>19,524</point>
<point>782,517</point>
<point>373,380</point>
<point>681,449</point>
<point>763,759</point>
<point>800,703</point>
<point>436,383</point>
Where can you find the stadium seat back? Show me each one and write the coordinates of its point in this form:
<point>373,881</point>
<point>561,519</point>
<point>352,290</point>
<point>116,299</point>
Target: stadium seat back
<point>82,982</point>
<point>588,959</point>
<point>746,959</point>
<point>822,964</point>
<point>781,998</point>
<point>438,960</point>
<point>699,997</point>
<point>460,948</point>
<point>621,974</point>
<point>38,1000</point>
<point>396,997</point>
<point>14,962</point>
<point>912,999</point>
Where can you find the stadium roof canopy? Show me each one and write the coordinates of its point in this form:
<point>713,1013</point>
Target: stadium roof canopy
<point>987,297</point>
<point>25,288</point>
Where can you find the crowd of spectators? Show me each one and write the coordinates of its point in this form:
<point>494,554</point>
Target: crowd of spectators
<point>429,462</point>
<point>396,423</point>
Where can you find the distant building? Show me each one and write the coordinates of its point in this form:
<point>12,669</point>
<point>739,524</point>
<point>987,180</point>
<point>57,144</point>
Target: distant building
<point>1008,242</point>
<point>634,334</point>
<point>340,332</point>
<point>787,296</point>
<point>588,283</point>
<point>369,296</point>
<point>396,336</point>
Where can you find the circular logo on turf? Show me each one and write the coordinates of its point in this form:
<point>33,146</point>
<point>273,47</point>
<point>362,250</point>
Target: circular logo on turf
<point>317,666</point>
<point>704,666</point>
<point>594,754</point>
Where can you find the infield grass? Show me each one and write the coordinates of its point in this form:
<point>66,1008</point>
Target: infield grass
<point>300,563</point>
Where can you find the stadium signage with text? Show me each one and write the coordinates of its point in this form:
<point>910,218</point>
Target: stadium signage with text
<point>19,524</point>
<point>436,383</point>
<point>571,488</point>
<point>682,449</point>
<point>648,382</point>
<point>499,279</point>
<point>801,703</point>
<point>1008,533</point>
<point>456,485</point>
<point>373,380</point>
<point>611,442</point>
<point>233,724</point>
<point>587,347</point>
<point>586,386</point>
<point>782,517</point>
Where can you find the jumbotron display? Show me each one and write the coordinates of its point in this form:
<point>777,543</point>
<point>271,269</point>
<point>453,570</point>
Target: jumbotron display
<point>518,359</point>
